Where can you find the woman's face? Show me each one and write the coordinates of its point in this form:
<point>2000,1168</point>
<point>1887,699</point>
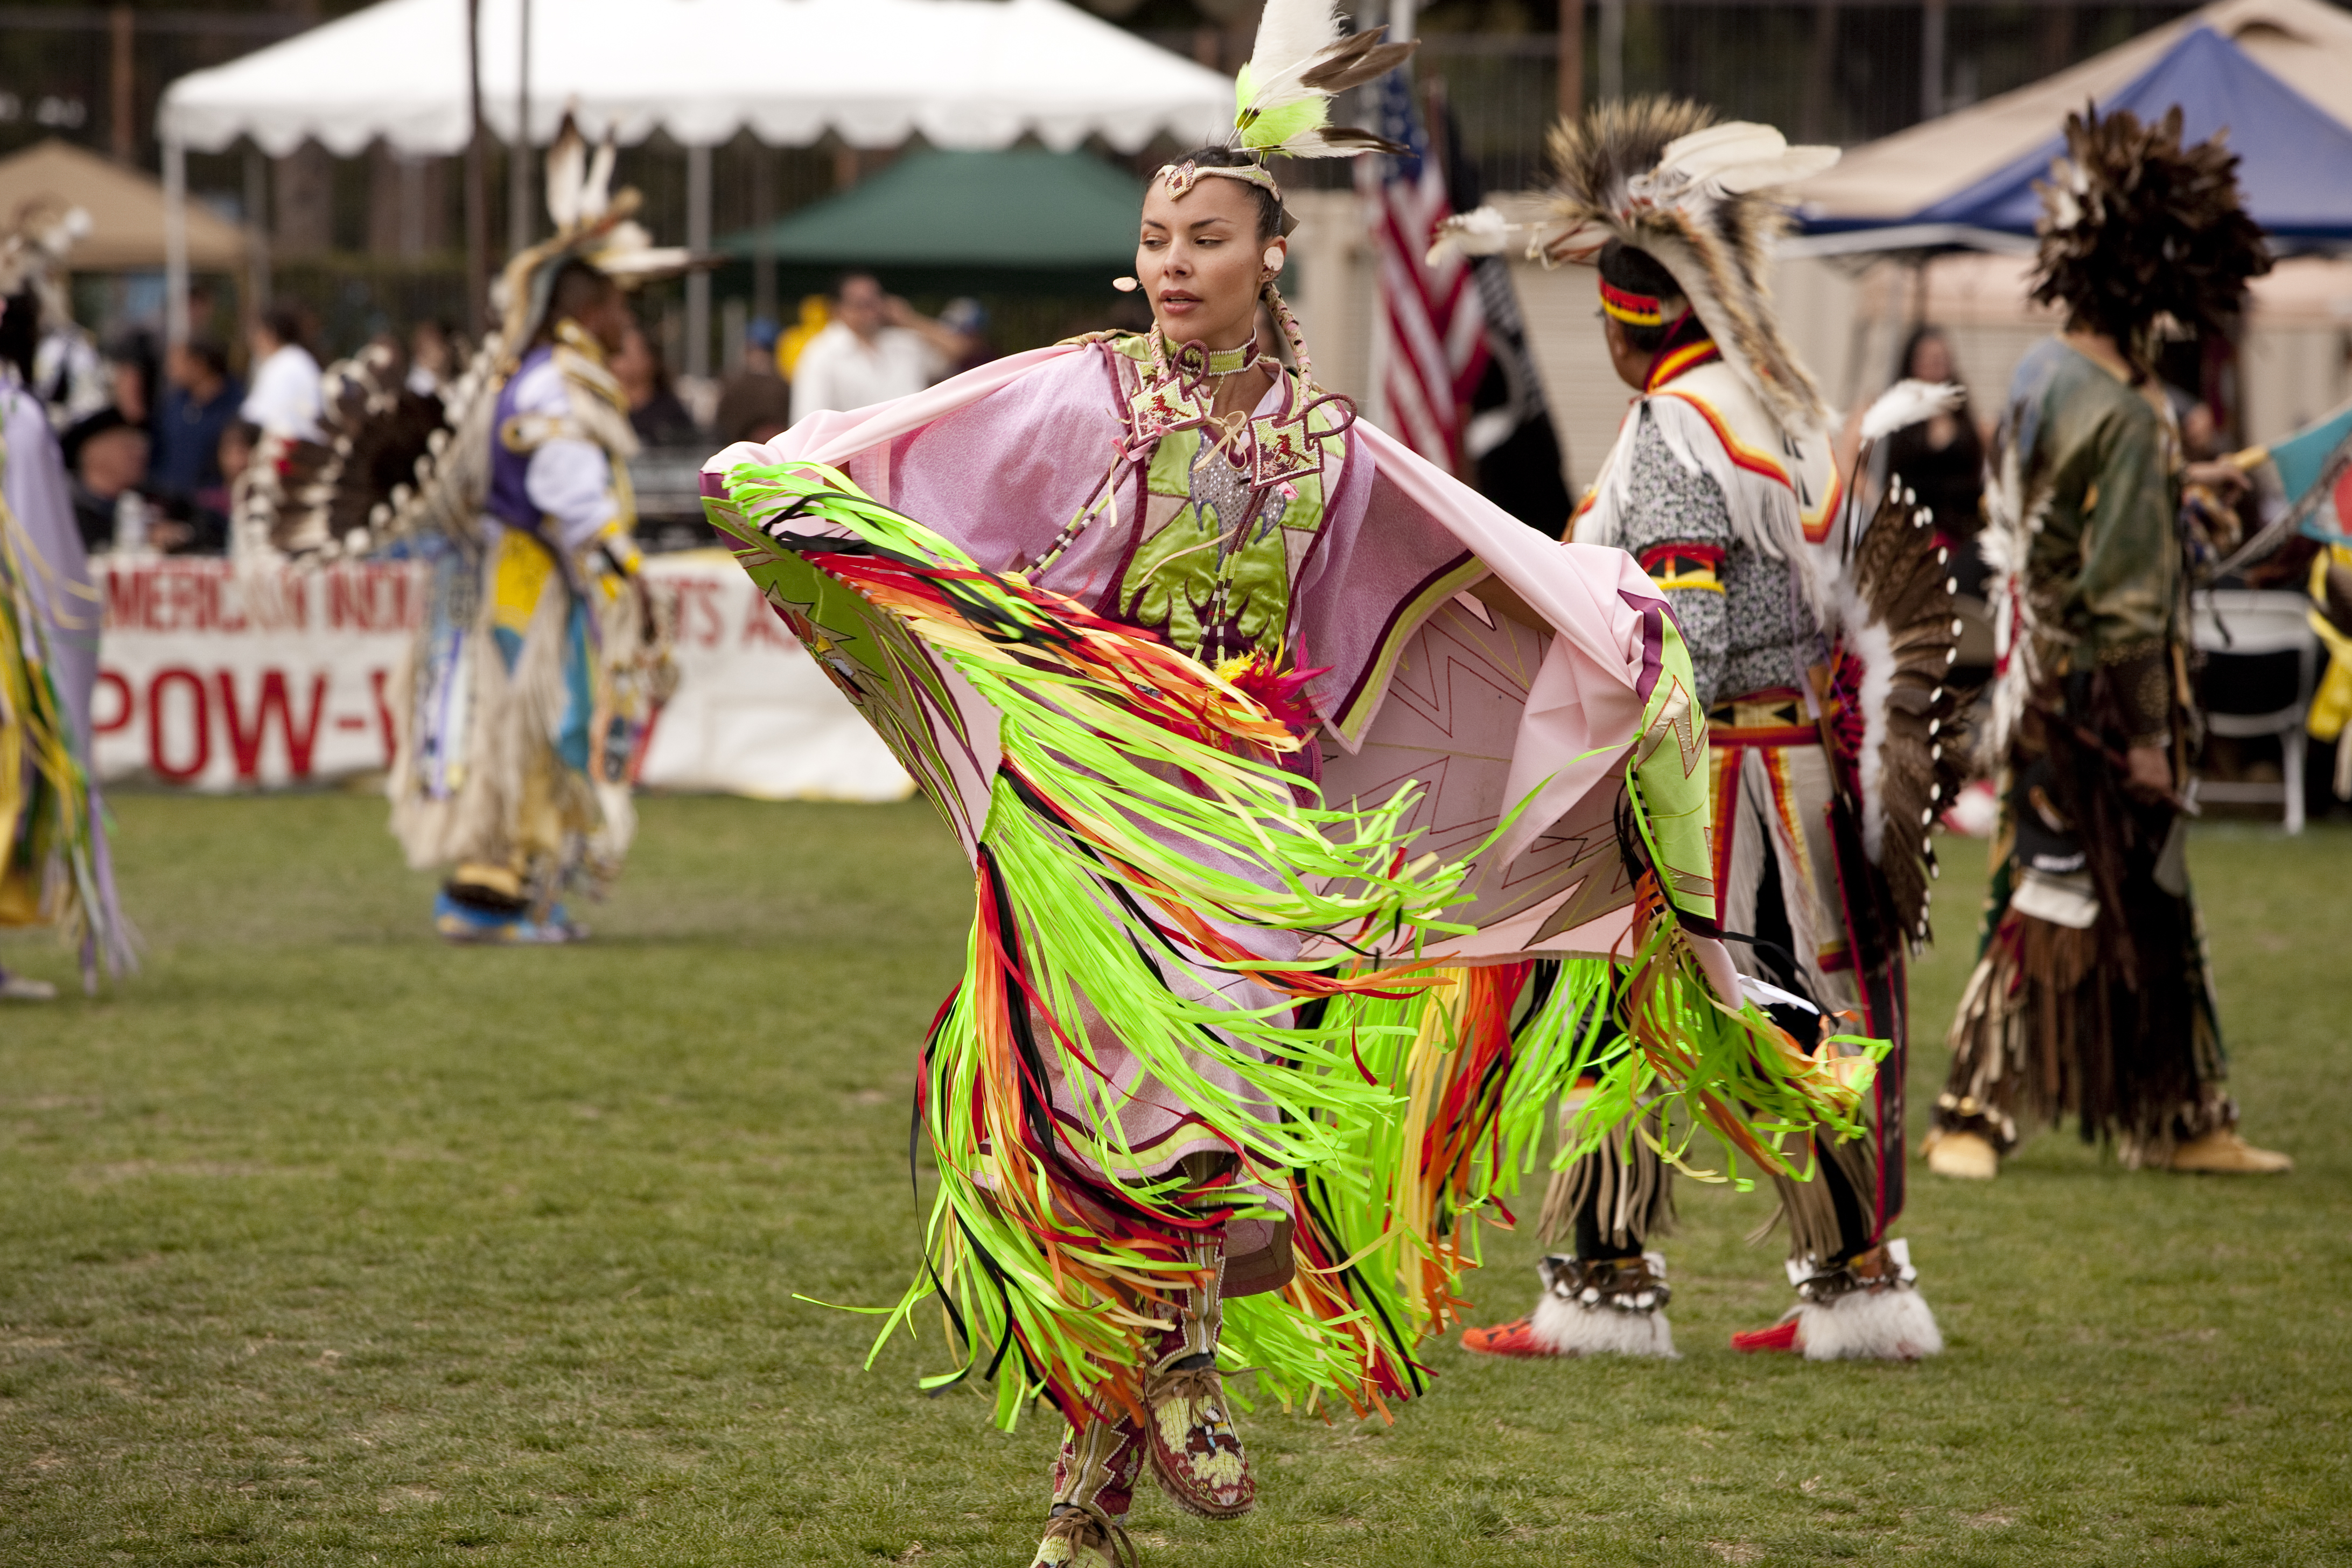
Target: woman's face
<point>1931,360</point>
<point>1201,261</point>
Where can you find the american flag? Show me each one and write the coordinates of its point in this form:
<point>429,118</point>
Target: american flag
<point>1429,332</point>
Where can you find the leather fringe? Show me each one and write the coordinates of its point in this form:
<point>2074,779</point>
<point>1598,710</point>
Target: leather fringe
<point>1629,1185</point>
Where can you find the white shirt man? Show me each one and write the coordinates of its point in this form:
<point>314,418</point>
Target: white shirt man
<point>285,399</point>
<point>857,360</point>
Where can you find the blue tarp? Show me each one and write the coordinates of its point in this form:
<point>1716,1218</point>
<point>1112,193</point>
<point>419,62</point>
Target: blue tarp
<point>2295,159</point>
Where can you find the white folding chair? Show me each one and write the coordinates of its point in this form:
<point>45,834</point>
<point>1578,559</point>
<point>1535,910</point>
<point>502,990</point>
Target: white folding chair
<point>2249,624</point>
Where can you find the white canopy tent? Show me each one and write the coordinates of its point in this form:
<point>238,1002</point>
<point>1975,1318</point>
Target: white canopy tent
<point>961,73</point>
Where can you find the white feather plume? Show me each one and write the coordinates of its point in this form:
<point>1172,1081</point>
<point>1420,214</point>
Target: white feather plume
<point>1302,57</point>
<point>567,167</point>
<point>597,194</point>
<point>1731,159</point>
<point>1290,34</point>
<point>1483,232</point>
<point>1908,402</point>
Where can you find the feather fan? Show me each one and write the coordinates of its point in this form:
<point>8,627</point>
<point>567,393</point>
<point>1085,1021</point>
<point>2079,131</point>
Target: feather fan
<point>326,499</point>
<point>1899,629</point>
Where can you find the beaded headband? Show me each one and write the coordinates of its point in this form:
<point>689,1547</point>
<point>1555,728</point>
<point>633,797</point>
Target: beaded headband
<point>1181,177</point>
<point>1633,310</point>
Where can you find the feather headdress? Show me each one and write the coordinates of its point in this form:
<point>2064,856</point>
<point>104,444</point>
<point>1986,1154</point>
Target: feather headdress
<point>1660,175</point>
<point>2135,227</point>
<point>593,223</point>
<point>1304,56</point>
<point>33,253</point>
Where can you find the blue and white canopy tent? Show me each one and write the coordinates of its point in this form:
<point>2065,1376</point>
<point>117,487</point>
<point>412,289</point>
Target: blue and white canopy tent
<point>2275,74</point>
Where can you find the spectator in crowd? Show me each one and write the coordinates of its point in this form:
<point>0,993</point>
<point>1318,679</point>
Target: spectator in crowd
<point>814,317</point>
<point>109,462</point>
<point>436,356</point>
<point>875,349</point>
<point>285,400</point>
<point>655,411</point>
<point>1942,458</point>
<point>235,454</point>
<point>200,401</point>
<point>755,403</point>
<point>967,321</point>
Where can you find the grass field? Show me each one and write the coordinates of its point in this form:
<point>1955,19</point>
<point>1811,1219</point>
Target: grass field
<point>323,1244</point>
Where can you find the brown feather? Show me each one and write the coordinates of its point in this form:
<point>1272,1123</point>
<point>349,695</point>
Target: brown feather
<point>1360,58</point>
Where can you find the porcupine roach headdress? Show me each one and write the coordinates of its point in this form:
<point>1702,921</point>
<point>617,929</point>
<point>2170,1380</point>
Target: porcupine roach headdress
<point>2135,227</point>
<point>1658,174</point>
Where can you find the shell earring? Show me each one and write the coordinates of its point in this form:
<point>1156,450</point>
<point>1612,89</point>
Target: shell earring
<point>1273,259</point>
<point>1125,285</point>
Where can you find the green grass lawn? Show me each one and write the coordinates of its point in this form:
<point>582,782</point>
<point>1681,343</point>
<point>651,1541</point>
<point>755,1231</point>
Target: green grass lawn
<point>325,1244</point>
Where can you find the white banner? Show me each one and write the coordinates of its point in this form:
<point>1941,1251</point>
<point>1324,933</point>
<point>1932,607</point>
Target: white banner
<point>212,681</point>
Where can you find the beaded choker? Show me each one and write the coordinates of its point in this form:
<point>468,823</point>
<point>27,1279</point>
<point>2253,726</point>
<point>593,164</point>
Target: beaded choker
<point>1194,360</point>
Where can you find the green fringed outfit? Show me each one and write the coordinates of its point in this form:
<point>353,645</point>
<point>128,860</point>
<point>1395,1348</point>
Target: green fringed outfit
<point>1305,874</point>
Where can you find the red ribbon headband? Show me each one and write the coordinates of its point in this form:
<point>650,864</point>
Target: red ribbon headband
<point>1633,310</point>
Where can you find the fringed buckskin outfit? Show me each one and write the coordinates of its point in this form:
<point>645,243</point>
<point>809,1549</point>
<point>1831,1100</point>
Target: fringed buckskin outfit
<point>1299,867</point>
<point>1818,639</point>
<point>529,690</point>
<point>2092,997</point>
<point>541,662</point>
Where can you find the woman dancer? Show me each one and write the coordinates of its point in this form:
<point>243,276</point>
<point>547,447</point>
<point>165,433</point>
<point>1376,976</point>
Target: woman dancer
<point>1252,1020</point>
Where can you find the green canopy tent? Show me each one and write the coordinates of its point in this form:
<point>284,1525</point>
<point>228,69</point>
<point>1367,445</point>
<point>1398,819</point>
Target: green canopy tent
<point>1020,221</point>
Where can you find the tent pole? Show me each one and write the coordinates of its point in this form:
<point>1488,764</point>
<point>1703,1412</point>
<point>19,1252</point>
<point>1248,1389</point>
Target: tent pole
<point>1571,60</point>
<point>256,233</point>
<point>697,240</point>
<point>764,215</point>
<point>1931,58</point>
<point>518,148</point>
<point>477,201</point>
<point>175,240</point>
<point>1613,49</point>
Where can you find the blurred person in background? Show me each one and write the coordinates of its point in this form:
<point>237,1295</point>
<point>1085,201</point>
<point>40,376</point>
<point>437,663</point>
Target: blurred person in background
<point>755,403</point>
<point>285,400</point>
<point>54,868</point>
<point>2092,997</point>
<point>965,321</point>
<point>539,660</point>
<point>109,462</point>
<point>814,317</point>
<point>235,453</point>
<point>1942,458</point>
<point>200,402</point>
<point>875,349</point>
<point>435,356</point>
<point>655,411</point>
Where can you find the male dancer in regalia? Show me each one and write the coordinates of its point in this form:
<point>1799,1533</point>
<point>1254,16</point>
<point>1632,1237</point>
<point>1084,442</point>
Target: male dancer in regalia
<point>1723,487</point>
<point>535,676</point>
<point>2092,997</point>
